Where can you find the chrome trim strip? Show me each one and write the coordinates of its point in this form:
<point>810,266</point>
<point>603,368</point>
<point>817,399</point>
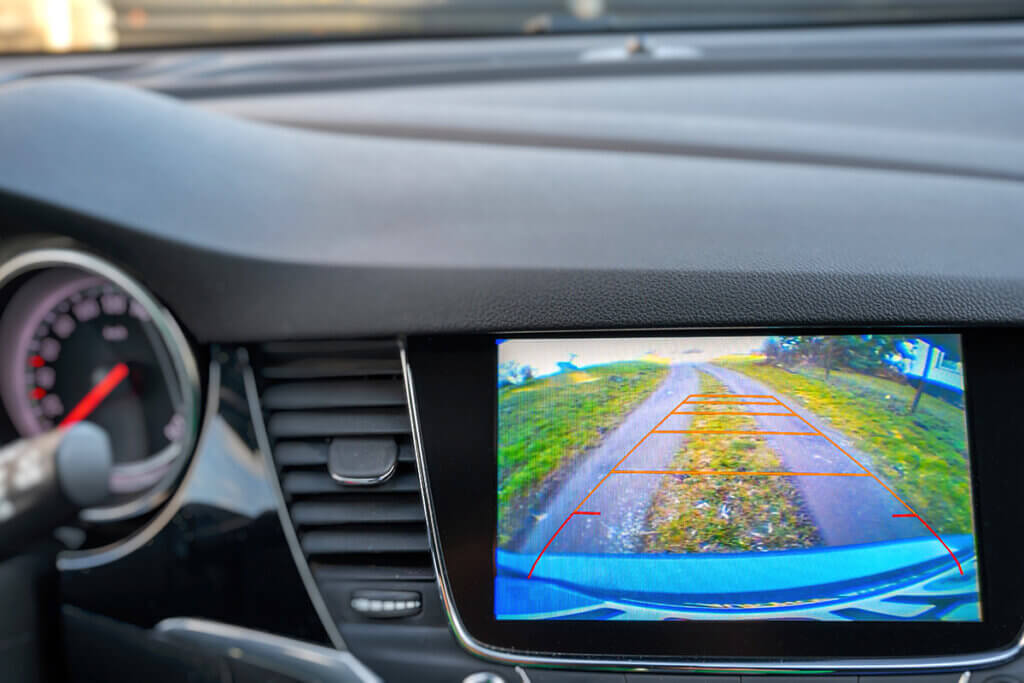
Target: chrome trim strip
<point>292,658</point>
<point>73,560</point>
<point>263,441</point>
<point>874,665</point>
<point>185,370</point>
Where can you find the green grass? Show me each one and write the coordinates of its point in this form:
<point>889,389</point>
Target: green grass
<point>545,423</point>
<point>940,418</point>
<point>715,514</point>
<point>923,456</point>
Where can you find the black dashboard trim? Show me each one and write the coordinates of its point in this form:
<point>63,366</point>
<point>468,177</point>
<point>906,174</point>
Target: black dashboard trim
<point>485,237</point>
<point>287,526</point>
<point>199,71</point>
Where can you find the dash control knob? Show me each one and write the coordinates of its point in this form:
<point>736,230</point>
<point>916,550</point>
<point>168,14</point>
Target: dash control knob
<point>483,677</point>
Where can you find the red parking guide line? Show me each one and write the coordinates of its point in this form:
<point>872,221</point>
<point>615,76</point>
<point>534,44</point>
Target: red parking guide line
<point>530,575</point>
<point>880,482</point>
<point>774,402</point>
<point>571,515</point>
<point>928,526</point>
<point>603,479</point>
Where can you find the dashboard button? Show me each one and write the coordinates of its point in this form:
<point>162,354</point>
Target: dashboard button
<point>386,604</point>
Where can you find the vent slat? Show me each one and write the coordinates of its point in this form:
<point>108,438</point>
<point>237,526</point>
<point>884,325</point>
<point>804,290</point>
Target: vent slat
<point>411,567</point>
<point>296,425</point>
<point>318,394</point>
<point>301,453</point>
<point>324,368</point>
<point>335,394</point>
<point>312,483</point>
<point>314,453</point>
<point>364,541</point>
<point>352,348</point>
<point>308,513</point>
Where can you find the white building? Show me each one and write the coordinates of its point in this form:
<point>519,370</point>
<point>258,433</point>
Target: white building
<point>944,369</point>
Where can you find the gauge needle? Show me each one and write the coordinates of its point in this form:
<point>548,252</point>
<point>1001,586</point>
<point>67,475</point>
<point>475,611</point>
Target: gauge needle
<point>96,395</point>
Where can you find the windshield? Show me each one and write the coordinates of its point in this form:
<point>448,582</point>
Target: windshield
<point>92,25</point>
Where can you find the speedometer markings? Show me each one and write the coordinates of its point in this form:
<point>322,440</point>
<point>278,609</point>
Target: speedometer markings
<point>49,349</point>
<point>86,310</point>
<point>114,304</point>
<point>63,326</point>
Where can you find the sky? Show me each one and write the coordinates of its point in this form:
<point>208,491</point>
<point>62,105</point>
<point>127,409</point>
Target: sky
<point>543,355</point>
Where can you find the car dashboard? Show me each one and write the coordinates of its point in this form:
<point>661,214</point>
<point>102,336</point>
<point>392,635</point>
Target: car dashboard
<point>311,261</point>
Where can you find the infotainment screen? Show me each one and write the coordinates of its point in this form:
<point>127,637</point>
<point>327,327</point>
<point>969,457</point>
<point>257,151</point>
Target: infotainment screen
<point>724,478</point>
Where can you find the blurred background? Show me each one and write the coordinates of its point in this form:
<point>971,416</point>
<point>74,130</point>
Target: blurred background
<point>83,25</point>
<point>56,25</point>
<point>86,25</point>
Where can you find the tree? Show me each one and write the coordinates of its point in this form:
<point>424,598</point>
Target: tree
<point>829,343</point>
<point>923,380</point>
<point>870,354</point>
<point>513,372</point>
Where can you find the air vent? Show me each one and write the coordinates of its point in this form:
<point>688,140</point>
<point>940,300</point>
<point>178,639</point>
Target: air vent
<point>314,394</point>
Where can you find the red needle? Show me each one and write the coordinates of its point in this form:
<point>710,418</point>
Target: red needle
<point>95,395</point>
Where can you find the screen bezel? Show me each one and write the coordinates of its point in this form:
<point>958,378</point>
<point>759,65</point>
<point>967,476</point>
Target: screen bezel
<point>456,402</point>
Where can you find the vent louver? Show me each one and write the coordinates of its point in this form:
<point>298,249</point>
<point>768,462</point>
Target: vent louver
<point>314,393</point>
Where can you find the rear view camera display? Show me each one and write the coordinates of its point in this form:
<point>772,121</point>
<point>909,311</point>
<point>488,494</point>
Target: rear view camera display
<point>711,478</point>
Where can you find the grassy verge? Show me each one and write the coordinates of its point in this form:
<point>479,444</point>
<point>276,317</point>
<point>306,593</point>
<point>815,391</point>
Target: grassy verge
<point>703,513</point>
<point>923,456</point>
<point>545,423</point>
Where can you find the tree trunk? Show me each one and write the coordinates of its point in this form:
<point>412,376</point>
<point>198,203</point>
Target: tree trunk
<point>828,359</point>
<point>924,376</point>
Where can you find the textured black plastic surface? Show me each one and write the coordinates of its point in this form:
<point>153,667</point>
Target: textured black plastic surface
<point>100,650</point>
<point>425,654</point>
<point>874,196</point>
<point>353,65</point>
<point>29,633</point>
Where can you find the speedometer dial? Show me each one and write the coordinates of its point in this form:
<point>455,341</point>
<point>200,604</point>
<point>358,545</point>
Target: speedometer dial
<point>77,346</point>
<point>92,357</point>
